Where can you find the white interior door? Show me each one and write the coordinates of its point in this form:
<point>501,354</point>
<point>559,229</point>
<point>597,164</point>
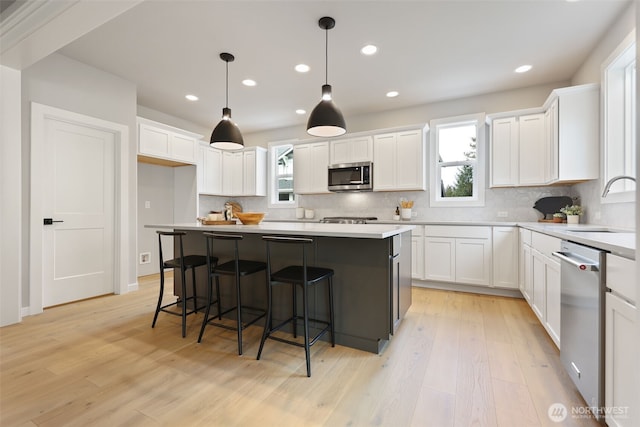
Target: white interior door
<point>78,251</point>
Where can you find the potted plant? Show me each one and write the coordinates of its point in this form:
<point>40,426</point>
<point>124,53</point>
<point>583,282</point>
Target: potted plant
<point>573,213</point>
<point>558,217</point>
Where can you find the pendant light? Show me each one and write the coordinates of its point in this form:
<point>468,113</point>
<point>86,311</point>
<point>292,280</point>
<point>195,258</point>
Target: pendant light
<point>326,119</point>
<point>226,135</point>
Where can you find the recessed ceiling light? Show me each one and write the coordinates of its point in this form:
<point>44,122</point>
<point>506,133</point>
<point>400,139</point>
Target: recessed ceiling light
<point>191,97</point>
<point>392,94</point>
<point>249,82</point>
<point>302,68</point>
<point>369,49</point>
<point>300,111</point>
<point>523,69</point>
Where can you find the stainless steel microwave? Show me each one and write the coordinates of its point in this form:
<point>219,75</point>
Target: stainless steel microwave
<point>351,177</point>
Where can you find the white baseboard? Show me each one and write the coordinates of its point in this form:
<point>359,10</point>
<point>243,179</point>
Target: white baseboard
<point>458,287</point>
<point>25,311</point>
<point>132,287</point>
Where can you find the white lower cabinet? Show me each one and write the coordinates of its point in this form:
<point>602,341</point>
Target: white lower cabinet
<point>417,252</point>
<point>540,279</point>
<point>460,254</point>
<point>621,386</point>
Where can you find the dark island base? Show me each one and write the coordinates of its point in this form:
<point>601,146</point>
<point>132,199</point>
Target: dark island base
<point>372,288</point>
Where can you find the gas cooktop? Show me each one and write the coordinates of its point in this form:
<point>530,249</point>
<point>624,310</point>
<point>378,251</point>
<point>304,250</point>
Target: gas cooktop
<point>348,219</point>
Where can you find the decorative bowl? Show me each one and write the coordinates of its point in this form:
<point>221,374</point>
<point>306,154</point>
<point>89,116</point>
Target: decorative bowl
<point>250,218</point>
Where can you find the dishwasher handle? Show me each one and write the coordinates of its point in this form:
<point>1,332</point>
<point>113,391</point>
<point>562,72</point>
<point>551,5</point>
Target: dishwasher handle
<point>579,263</point>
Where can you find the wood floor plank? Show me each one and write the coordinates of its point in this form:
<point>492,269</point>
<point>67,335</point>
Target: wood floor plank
<point>457,359</point>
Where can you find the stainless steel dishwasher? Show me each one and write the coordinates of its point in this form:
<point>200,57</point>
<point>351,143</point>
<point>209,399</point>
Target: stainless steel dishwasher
<point>582,320</point>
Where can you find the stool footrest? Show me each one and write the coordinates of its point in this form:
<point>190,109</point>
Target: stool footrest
<point>261,313</point>
<point>290,320</point>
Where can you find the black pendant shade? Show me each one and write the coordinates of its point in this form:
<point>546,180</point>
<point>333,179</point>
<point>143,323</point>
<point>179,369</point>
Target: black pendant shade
<point>226,135</point>
<point>326,120</point>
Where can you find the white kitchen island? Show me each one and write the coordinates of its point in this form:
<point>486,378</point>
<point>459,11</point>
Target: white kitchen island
<point>372,263</point>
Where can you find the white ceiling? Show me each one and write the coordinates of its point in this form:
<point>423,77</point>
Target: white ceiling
<point>428,51</point>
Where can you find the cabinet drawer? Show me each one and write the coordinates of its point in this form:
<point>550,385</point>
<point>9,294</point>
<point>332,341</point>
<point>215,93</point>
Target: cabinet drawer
<point>545,244</point>
<point>418,231</point>
<point>469,232</point>
<point>621,276</point>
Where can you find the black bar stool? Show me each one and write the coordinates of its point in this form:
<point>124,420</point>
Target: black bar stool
<point>183,263</point>
<point>237,268</point>
<point>297,275</point>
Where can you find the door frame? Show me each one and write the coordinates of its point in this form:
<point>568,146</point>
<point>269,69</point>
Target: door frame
<point>39,114</point>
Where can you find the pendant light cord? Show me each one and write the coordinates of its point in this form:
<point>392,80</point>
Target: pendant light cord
<point>326,56</point>
<point>226,102</point>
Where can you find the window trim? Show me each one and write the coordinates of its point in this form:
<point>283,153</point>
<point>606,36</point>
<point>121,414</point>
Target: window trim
<point>479,170</point>
<point>274,203</point>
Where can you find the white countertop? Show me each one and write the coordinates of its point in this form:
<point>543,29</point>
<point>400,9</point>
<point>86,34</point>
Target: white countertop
<point>358,231</point>
<point>617,241</point>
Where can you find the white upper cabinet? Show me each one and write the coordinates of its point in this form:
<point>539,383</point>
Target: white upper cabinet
<point>558,143</point>
<point>351,150</point>
<point>232,173</point>
<point>578,133</point>
<point>160,141</point>
<point>310,168</point>
<point>399,161</point>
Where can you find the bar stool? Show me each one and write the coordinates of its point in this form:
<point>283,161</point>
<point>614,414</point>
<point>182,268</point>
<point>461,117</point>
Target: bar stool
<point>297,275</point>
<point>183,263</point>
<point>238,268</point>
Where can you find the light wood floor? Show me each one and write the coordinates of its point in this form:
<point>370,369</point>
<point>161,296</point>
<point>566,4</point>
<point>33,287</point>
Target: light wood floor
<point>457,360</point>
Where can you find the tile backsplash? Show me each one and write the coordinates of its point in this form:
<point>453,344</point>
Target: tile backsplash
<point>501,204</point>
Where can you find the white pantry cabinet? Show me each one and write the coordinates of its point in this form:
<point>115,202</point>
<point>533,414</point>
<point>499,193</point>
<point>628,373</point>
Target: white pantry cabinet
<point>621,388</point>
<point>399,161</point>
<point>351,150</point>
<point>160,141</point>
<point>310,173</point>
<point>460,254</point>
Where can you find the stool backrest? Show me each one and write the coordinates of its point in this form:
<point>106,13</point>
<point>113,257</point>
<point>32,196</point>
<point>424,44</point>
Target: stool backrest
<point>302,241</point>
<point>219,236</point>
<point>173,234</point>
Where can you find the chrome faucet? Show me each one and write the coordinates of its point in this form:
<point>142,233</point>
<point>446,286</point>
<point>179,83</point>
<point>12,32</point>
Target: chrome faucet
<point>607,187</point>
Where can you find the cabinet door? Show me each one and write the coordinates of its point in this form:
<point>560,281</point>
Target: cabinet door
<point>440,259</point>
<point>473,261</point>
<point>249,173</point>
<point>212,171</point>
<point>526,269</point>
<point>361,149</point>
<point>183,148</point>
<point>318,167</point>
<point>340,152</point>
<point>532,151</point>
<point>621,389</point>
<point>417,257</point>
<point>504,152</point>
<point>538,288</point>
<point>384,162</point>
<point>301,165</point>
<point>153,141</point>
<point>552,141</point>
<point>552,302</point>
<point>410,161</point>
<point>232,165</point>
<point>505,257</point>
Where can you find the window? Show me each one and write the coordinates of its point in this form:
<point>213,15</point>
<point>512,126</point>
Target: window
<point>281,176</point>
<point>619,106</point>
<point>457,161</point>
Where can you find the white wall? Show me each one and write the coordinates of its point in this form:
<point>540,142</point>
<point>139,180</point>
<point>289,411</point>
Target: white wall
<point>10,193</point>
<point>613,214</point>
<point>64,83</point>
<point>155,186</point>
